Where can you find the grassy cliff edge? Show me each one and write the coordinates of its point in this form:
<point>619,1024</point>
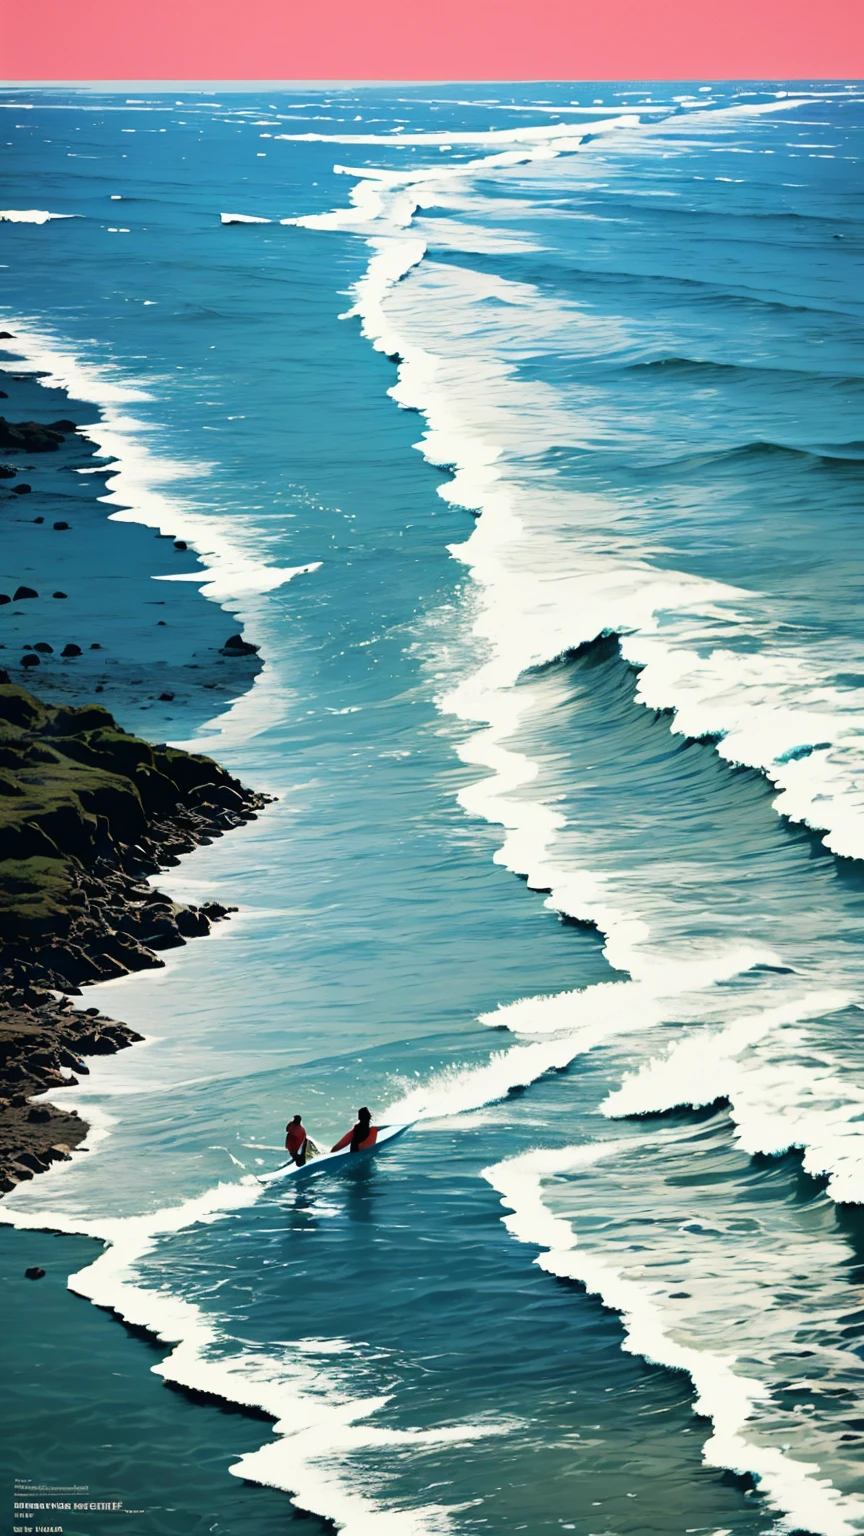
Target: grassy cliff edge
<point>87,811</point>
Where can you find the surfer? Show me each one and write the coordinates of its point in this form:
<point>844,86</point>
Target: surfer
<point>296,1141</point>
<point>361,1136</point>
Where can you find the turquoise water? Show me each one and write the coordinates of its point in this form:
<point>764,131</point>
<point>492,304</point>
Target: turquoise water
<point>601,634</point>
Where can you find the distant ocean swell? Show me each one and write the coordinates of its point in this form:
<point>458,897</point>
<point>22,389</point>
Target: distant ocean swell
<point>538,597</point>
<point>772,709</point>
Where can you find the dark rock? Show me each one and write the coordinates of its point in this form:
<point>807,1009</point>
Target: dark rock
<point>71,649</point>
<point>20,593</point>
<point>44,647</point>
<point>4,598</point>
<point>4,675</point>
<point>37,1113</point>
<point>95,646</point>
<point>166,698</point>
<point>7,472</point>
<point>221,795</point>
<point>63,426</point>
<point>38,519</point>
<point>29,436</point>
<point>58,594</point>
<point>58,527</point>
<point>34,1272</point>
<point>235,645</point>
<point>22,490</point>
<point>7,335</point>
<point>30,660</point>
<point>180,544</point>
<point>192,924</point>
<point>3,395</point>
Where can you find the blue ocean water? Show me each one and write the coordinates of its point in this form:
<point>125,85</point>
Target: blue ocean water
<point>603,634</point>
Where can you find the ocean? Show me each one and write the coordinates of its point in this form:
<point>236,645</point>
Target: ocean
<point>521,429</point>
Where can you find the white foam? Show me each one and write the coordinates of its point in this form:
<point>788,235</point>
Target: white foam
<point>240,577</point>
<point>544,133</point>
<point>142,486</point>
<point>30,216</point>
<point>782,1092</point>
<point>243,218</point>
<point>320,1421</point>
<point>805,1499</point>
<point>580,1021</point>
<point>544,582</point>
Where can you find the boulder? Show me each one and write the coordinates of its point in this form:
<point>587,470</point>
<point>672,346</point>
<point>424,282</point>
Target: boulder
<point>44,647</point>
<point>7,472</point>
<point>235,645</point>
<point>58,527</point>
<point>20,593</point>
<point>18,707</point>
<point>180,544</point>
<point>58,594</point>
<point>71,649</point>
<point>34,1272</point>
<point>71,720</point>
<point>30,661</point>
<point>29,436</point>
<point>192,923</point>
<point>22,490</point>
<point>4,598</point>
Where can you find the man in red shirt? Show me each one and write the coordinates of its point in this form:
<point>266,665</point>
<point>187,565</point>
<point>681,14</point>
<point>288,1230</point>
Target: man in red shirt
<point>296,1141</point>
<point>361,1136</point>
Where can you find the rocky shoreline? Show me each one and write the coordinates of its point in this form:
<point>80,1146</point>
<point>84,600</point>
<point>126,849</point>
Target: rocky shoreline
<point>87,813</point>
<point>91,606</point>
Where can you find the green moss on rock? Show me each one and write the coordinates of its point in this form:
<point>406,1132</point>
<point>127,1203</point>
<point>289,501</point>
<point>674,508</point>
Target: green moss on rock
<point>76,793</point>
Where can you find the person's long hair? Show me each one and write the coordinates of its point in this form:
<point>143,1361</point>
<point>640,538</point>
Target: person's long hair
<point>361,1129</point>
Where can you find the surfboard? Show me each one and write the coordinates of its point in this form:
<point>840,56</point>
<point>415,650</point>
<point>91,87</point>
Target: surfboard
<point>332,1161</point>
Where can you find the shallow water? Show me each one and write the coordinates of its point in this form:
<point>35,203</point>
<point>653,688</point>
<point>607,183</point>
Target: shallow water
<point>633,364</point>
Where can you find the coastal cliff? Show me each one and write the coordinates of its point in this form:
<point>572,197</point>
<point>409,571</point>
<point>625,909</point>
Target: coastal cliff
<point>87,812</point>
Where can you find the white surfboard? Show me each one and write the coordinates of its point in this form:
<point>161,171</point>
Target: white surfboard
<point>331,1161</point>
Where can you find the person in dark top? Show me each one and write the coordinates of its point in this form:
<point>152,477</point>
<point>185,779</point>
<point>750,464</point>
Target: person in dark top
<point>296,1141</point>
<point>361,1136</point>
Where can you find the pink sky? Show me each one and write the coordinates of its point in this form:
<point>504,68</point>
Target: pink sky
<point>431,40</point>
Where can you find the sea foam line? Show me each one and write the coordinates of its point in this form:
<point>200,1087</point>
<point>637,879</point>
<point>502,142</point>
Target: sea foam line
<point>31,215</point>
<point>526,620</point>
<point>579,1021</point>
<point>134,487</point>
<point>142,488</point>
<point>754,705</point>
<point>307,1462</point>
<point>779,1099</point>
<point>805,1500</point>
